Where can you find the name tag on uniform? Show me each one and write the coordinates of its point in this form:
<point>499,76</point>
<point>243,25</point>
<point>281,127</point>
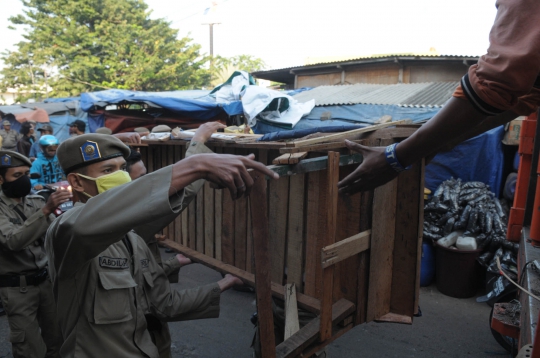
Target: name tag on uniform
<point>113,262</point>
<point>144,263</point>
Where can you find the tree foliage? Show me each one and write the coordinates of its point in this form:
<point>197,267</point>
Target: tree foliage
<point>223,67</point>
<point>88,45</point>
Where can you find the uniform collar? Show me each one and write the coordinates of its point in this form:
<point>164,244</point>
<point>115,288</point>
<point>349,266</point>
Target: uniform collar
<point>12,202</point>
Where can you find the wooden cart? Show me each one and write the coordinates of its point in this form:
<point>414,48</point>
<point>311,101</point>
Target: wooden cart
<point>348,259</point>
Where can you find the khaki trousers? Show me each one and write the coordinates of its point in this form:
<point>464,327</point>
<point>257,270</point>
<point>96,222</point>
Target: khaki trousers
<point>33,324</point>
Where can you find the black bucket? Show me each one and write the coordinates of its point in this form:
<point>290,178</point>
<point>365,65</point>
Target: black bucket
<point>458,273</point>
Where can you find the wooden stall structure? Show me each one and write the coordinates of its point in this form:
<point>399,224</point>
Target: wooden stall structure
<point>348,259</point>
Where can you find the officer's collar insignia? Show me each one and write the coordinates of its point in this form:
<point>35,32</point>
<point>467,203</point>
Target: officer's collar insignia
<point>6,160</point>
<point>90,151</point>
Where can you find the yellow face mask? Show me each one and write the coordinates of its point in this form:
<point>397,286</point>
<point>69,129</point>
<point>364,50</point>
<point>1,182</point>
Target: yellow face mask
<point>108,181</point>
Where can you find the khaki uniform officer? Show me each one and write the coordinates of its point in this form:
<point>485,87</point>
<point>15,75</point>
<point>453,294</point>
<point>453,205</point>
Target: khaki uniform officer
<point>99,266</point>
<point>25,289</point>
<point>9,136</point>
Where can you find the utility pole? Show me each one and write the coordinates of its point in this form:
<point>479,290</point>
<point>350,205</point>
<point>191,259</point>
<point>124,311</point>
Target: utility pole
<point>211,24</point>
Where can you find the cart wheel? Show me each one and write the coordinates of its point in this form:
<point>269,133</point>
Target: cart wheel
<point>508,343</point>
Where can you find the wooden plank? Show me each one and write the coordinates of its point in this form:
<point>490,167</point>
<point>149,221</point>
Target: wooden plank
<point>263,156</point>
<point>420,235</point>
<point>386,133</point>
<point>299,341</point>
<point>192,218</point>
<point>292,325</point>
<point>304,301</point>
<point>395,318</point>
<point>313,165</point>
<point>366,202</point>
<point>343,135</point>
<point>240,232</point>
<point>406,246</point>
<point>209,216</point>
<point>200,219</point>
<point>293,158</point>
<point>329,238</point>
<point>343,249</point>
<point>178,227</point>
<point>313,239</point>
<point>382,246</point>
<point>263,282</point>
<point>218,200</point>
<point>282,159</point>
<point>249,244</point>
<point>227,224</point>
<point>277,217</point>
<point>295,231</point>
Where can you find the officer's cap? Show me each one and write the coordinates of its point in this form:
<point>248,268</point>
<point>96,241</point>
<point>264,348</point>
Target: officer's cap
<point>162,128</point>
<point>80,151</point>
<point>46,127</point>
<point>104,130</point>
<point>11,159</point>
<point>6,123</point>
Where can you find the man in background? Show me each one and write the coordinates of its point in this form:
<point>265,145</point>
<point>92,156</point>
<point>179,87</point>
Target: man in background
<point>9,136</point>
<point>76,128</point>
<point>36,149</point>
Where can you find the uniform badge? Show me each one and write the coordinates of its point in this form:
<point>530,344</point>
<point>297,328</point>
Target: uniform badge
<point>90,151</point>
<point>6,160</point>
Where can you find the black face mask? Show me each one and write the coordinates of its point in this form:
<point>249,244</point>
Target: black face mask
<point>18,188</point>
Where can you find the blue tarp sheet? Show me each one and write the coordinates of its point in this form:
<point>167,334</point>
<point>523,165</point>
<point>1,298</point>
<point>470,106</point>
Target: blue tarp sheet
<point>299,133</point>
<point>196,104</point>
<point>477,159</point>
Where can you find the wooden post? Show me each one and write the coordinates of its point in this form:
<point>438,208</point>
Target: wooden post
<point>329,239</point>
<point>263,285</point>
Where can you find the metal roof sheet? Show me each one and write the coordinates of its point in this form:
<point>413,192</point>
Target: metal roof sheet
<point>432,94</point>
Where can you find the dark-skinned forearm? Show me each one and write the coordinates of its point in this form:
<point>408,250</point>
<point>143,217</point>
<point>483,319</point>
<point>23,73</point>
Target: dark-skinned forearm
<point>184,173</point>
<point>455,118</point>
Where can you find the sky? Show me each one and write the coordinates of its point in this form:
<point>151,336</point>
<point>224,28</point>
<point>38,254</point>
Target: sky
<point>287,33</point>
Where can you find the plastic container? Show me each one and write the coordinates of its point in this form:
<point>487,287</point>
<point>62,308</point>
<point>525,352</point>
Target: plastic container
<point>458,273</point>
<point>427,265</point>
<point>466,243</point>
<point>450,239</point>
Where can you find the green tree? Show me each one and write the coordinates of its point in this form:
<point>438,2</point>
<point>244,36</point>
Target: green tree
<point>223,67</point>
<point>88,45</point>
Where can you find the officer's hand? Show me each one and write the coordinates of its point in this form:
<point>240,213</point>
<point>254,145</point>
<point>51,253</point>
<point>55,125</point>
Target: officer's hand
<point>374,171</point>
<point>129,137</point>
<point>183,260</point>
<point>229,281</point>
<point>231,171</point>
<point>160,237</point>
<point>56,199</point>
<point>38,187</point>
<point>204,132</point>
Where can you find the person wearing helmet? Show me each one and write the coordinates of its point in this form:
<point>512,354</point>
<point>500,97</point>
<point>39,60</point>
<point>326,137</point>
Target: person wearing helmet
<point>47,164</point>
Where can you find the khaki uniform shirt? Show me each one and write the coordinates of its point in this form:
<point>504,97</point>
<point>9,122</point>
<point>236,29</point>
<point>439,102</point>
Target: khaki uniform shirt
<point>10,139</point>
<point>21,242</point>
<point>105,278</point>
<point>190,192</point>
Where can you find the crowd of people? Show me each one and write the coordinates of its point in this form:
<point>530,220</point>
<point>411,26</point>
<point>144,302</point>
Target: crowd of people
<point>72,288</point>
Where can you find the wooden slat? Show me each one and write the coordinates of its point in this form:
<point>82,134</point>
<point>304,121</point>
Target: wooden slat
<point>295,231</point>
<point>329,238</point>
<point>343,135</point>
<point>184,215</point>
<point>218,200</point>
<point>192,218</point>
<point>249,244</point>
<point>263,290</point>
<point>420,235</point>
<point>366,201</point>
<point>313,238</point>
<point>395,318</point>
<point>282,159</point>
<point>240,233</point>
<point>292,324</point>
<point>299,341</point>
<point>386,133</point>
<point>227,224</point>
<point>382,246</point>
<point>200,220</point>
<point>313,165</point>
<point>177,156</point>
<point>344,249</point>
<point>277,217</point>
<point>406,242</point>
<point>293,158</point>
<point>305,302</point>
<point>209,216</point>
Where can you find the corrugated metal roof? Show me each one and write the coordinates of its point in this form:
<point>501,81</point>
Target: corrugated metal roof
<point>432,94</point>
<point>410,56</point>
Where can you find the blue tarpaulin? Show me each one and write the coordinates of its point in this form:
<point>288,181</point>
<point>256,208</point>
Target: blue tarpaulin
<point>299,133</point>
<point>196,104</point>
<point>477,159</point>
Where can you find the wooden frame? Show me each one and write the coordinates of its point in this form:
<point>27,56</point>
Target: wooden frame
<point>349,260</point>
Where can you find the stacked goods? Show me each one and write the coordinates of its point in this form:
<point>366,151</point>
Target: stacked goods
<point>468,216</point>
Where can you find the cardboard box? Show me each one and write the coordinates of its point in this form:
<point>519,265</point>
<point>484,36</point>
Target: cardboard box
<point>511,137</point>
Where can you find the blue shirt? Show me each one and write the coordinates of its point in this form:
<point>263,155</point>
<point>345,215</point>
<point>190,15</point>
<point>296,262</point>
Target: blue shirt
<point>35,150</point>
<point>49,168</point>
